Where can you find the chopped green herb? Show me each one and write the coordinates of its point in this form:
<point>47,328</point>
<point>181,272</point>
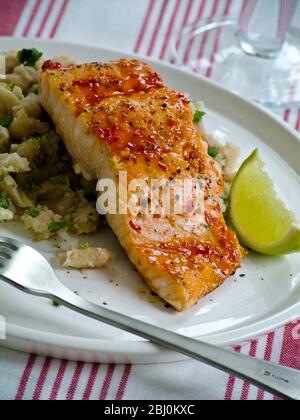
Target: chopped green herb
<point>84,245</point>
<point>29,57</point>
<point>213,152</point>
<point>55,227</point>
<point>71,210</point>
<point>4,203</point>
<point>56,304</point>
<point>33,89</point>
<point>7,121</point>
<point>32,213</point>
<point>40,141</point>
<point>198,116</point>
<point>9,86</point>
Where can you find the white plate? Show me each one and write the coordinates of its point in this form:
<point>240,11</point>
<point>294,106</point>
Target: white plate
<point>243,308</point>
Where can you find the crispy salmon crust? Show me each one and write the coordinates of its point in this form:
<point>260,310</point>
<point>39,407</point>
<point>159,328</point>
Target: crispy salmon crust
<point>120,116</point>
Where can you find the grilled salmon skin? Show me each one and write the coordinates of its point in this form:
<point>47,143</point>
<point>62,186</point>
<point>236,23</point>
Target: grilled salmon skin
<point>120,116</point>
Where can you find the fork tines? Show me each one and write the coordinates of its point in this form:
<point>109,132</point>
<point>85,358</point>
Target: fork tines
<point>8,243</point>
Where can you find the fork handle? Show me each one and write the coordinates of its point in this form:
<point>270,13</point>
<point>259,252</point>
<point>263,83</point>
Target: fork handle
<point>278,380</point>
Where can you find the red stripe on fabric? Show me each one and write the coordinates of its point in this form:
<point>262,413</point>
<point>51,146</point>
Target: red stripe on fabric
<point>205,36</point>
<point>184,21</point>
<point>242,15</point>
<point>25,377</point>
<point>45,18</point>
<point>243,12</point>
<point>269,346</point>
<point>91,381</point>
<point>244,5</point>
<point>294,83</point>
<point>191,41</point>
<point>10,15</point>
<point>217,41</point>
<point>287,114</point>
<point>230,388</point>
<point>290,354</point>
<point>267,357</point>
<point>123,382</point>
<point>231,382</point>
<point>297,126</point>
<point>107,381</point>
<point>32,17</point>
<point>74,381</point>
<point>286,13</point>
<point>58,380</point>
<point>59,18</point>
<point>246,386</point>
<point>281,18</point>
<point>144,25</point>
<point>169,31</point>
<point>42,379</point>
<point>247,14</point>
<point>187,14</point>
<point>157,26</point>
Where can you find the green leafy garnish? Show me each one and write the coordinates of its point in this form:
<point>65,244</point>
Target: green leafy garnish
<point>40,141</point>
<point>55,227</point>
<point>7,121</point>
<point>213,152</point>
<point>84,245</point>
<point>9,86</point>
<point>56,304</point>
<point>4,203</point>
<point>198,116</point>
<point>33,89</point>
<point>29,57</point>
<point>32,213</point>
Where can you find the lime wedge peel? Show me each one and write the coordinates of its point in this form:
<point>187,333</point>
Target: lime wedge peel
<point>259,217</point>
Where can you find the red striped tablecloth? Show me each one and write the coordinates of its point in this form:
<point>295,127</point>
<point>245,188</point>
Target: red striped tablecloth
<point>144,26</point>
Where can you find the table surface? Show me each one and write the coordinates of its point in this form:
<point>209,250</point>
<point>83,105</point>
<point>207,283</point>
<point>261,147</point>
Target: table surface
<point>147,27</point>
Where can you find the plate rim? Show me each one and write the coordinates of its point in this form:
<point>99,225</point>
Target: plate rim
<point>234,336</point>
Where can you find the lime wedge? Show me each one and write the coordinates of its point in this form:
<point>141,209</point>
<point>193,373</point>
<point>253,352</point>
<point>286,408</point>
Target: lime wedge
<point>258,216</point>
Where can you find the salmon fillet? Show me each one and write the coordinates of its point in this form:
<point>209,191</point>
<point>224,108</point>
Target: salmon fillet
<point>120,116</point>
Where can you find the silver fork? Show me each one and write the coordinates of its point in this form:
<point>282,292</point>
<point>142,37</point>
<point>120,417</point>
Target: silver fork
<point>26,269</point>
